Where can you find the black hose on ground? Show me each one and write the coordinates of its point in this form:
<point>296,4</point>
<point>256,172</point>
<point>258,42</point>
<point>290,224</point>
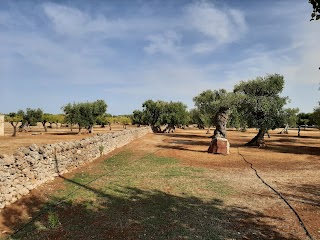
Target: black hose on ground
<point>280,195</point>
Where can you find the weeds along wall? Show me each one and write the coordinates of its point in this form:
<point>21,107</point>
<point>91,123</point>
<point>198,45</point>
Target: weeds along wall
<point>31,166</point>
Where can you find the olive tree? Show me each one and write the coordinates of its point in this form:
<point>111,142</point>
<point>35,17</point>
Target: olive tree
<point>151,113</point>
<point>261,104</point>
<point>125,121</point>
<point>159,113</point>
<point>14,119</point>
<point>85,114</point>
<point>32,116</point>
<point>289,118</point>
<point>174,114</point>
<point>137,118</point>
<point>216,106</point>
<point>196,118</point>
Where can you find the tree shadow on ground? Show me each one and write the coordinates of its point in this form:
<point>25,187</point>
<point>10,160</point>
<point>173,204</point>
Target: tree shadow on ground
<point>176,135</point>
<point>133,213</point>
<point>284,148</point>
<point>63,133</point>
<point>304,193</point>
<point>181,148</point>
<point>182,144</point>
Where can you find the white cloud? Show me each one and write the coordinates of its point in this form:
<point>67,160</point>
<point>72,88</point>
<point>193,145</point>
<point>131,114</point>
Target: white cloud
<point>219,26</point>
<point>73,22</point>
<point>166,43</point>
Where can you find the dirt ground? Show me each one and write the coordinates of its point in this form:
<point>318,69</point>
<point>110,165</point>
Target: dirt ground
<point>289,164</point>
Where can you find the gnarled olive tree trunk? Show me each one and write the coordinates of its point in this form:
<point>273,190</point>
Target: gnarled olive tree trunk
<point>258,140</point>
<point>221,120</point>
<point>14,125</point>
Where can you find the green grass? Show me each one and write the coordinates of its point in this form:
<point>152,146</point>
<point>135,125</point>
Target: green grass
<point>138,197</point>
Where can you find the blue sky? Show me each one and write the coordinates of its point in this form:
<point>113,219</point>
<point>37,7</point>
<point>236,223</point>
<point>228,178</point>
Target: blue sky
<point>125,52</point>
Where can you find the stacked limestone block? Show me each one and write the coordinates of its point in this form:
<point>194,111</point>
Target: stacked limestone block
<point>219,145</point>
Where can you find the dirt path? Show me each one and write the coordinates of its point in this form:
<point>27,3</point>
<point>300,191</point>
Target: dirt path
<point>254,211</point>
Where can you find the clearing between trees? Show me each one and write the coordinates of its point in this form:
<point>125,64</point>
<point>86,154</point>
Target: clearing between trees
<point>166,186</point>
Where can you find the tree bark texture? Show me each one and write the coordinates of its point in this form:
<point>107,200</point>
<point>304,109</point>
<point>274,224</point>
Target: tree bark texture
<point>44,126</point>
<point>258,140</point>
<point>14,129</point>
<point>221,120</point>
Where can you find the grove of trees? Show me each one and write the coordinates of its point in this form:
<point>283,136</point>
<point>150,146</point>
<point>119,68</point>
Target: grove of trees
<point>255,103</point>
<point>159,113</point>
<point>84,114</point>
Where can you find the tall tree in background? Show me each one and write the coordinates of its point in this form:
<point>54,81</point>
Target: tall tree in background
<point>205,102</point>
<point>196,118</point>
<point>137,118</point>
<point>174,114</point>
<point>71,114</point>
<point>261,104</point>
<point>289,118</point>
<point>31,117</point>
<point>159,113</point>
<point>151,113</point>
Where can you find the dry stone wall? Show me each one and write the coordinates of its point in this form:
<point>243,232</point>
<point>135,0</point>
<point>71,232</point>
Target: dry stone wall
<point>31,166</point>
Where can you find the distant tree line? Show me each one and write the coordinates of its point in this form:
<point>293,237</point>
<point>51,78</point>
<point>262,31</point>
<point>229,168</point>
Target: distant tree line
<point>83,114</point>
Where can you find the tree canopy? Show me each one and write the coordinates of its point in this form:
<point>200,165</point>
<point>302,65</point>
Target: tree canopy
<point>85,114</point>
<point>215,107</point>
<point>261,104</point>
<point>315,15</point>
<point>32,116</point>
<point>14,119</point>
<point>158,113</point>
<point>290,116</point>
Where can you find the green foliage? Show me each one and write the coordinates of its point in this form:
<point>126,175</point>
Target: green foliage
<point>210,103</point>
<point>290,116</point>
<point>161,113</point>
<point>174,114</point>
<point>137,118</point>
<point>236,120</point>
<point>152,112</point>
<point>13,117</point>
<point>315,15</point>
<point>124,120</point>
<point>53,220</point>
<point>197,118</point>
<point>85,114</point>
<point>102,120</point>
<point>316,116</point>
<point>305,119</point>
<point>259,101</point>
<point>32,116</point>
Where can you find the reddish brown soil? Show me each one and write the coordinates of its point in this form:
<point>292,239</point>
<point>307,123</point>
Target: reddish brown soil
<point>289,164</point>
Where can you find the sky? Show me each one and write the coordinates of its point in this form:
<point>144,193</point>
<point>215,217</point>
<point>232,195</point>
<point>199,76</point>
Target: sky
<point>125,52</point>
